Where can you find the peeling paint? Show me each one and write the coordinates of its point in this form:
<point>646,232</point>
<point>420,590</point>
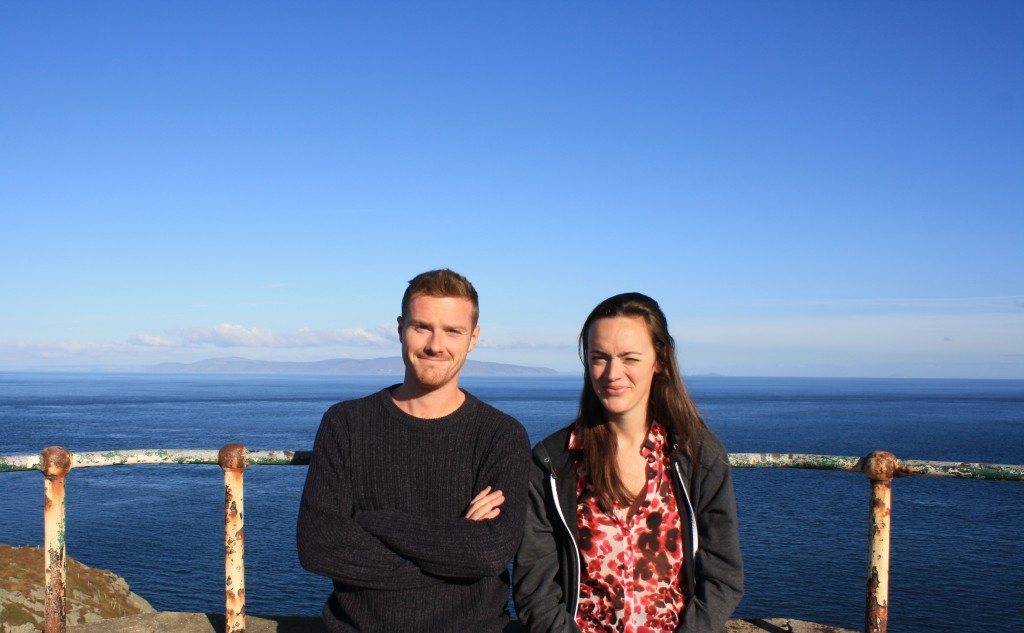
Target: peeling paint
<point>794,460</point>
<point>880,467</point>
<point>233,461</point>
<point>55,464</point>
<point>960,470</point>
<point>20,463</point>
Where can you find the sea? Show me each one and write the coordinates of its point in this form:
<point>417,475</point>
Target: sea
<point>957,556</point>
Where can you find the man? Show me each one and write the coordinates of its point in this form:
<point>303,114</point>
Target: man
<point>415,499</point>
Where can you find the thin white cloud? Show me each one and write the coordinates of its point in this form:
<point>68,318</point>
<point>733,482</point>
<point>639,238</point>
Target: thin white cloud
<point>882,335</point>
<point>232,335</point>
<point>522,343</point>
<point>904,305</point>
<point>57,348</point>
<point>152,340</point>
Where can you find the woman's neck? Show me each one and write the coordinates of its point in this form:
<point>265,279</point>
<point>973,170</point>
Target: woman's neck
<point>630,431</point>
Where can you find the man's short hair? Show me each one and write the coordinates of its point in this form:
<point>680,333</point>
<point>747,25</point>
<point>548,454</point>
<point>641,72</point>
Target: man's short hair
<point>441,283</point>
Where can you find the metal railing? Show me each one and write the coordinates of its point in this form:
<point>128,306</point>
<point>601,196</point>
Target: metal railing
<point>55,462</point>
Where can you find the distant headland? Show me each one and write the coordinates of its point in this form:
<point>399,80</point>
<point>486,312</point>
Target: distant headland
<point>388,366</point>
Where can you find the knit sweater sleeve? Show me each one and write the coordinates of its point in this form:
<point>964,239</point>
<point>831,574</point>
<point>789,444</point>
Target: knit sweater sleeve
<point>330,542</point>
<point>459,547</point>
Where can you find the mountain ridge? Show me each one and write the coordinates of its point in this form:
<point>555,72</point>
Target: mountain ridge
<point>389,366</point>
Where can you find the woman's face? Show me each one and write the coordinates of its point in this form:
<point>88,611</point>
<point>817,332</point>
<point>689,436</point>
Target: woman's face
<point>622,364</point>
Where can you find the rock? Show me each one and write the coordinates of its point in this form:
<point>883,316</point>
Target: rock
<point>780,625</point>
<point>92,594</point>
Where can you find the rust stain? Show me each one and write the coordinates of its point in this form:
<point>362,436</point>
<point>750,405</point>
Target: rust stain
<point>876,616</point>
<point>232,459</point>
<point>55,616</point>
<point>880,466</point>
<point>55,464</point>
<point>877,620</point>
<point>234,610</point>
<point>56,461</point>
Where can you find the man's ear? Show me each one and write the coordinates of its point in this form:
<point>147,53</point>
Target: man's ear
<point>401,326</point>
<point>473,337</point>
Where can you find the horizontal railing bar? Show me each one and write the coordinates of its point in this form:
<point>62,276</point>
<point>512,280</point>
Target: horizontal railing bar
<point>12,463</point>
<point>959,470</point>
<point>278,458</point>
<point>904,467</point>
<point>796,460</point>
<point>143,456</point>
<point>15,463</point>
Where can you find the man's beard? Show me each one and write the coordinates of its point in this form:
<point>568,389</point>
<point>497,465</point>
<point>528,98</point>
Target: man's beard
<point>432,374</point>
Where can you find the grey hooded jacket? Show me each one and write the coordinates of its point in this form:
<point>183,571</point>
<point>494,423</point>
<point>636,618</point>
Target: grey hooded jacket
<point>547,567</point>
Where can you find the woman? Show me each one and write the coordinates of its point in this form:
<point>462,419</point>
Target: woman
<point>631,521</point>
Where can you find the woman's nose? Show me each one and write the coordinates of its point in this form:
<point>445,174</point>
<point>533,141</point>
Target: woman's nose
<point>614,369</point>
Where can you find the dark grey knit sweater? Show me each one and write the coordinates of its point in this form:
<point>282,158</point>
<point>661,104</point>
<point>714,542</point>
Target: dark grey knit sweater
<point>382,515</point>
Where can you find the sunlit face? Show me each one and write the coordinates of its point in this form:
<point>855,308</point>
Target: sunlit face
<point>622,363</point>
<point>436,333</point>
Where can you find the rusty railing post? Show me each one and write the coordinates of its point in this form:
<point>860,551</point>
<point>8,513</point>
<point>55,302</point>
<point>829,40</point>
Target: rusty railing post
<point>232,461</point>
<point>56,462</point>
<point>879,466</point>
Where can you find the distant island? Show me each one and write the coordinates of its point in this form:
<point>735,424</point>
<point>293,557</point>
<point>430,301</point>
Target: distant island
<point>389,366</point>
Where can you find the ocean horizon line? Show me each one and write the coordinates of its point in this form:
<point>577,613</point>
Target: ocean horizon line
<point>552,374</point>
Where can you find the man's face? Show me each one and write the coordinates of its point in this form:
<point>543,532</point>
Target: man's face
<point>437,334</point>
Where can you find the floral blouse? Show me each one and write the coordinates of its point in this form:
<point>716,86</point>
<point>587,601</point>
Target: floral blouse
<point>632,559</point>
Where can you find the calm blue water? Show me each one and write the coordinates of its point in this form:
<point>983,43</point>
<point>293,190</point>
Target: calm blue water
<point>957,556</point>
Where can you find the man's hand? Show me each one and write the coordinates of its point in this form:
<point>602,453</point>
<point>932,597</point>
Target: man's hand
<point>485,505</point>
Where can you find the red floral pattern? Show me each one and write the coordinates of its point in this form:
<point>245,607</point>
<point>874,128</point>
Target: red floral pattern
<point>632,559</point>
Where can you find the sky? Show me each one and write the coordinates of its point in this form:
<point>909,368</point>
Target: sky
<point>807,188</point>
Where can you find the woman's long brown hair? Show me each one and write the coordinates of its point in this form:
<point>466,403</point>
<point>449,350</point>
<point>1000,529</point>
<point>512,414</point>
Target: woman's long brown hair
<point>669,403</point>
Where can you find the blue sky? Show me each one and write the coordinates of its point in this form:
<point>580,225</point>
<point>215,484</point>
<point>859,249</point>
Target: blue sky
<point>807,188</point>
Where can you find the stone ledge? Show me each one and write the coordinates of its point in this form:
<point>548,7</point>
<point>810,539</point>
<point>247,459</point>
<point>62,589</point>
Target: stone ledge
<point>214,623</point>
<point>170,622</point>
